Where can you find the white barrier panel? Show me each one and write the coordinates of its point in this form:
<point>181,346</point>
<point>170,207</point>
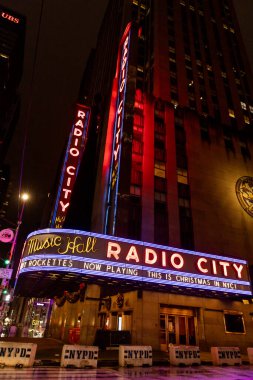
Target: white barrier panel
<point>226,355</point>
<point>17,354</point>
<point>79,356</point>
<point>184,355</point>
<point>136,356</point>
<point>250,354</point>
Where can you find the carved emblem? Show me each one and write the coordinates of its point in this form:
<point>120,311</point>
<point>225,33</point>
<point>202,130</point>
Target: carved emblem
<point>244,192</point>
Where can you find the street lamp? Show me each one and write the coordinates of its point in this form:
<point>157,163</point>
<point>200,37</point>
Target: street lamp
<point>24,197</point>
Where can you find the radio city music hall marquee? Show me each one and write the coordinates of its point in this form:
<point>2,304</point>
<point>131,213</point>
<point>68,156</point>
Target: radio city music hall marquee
<point>104,256</point>
<point>73,156</point>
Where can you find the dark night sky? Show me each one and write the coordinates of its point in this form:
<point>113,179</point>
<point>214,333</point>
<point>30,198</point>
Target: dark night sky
<point>68,31</point>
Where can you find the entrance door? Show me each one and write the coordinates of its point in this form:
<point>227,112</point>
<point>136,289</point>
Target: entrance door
<point>177,329</point>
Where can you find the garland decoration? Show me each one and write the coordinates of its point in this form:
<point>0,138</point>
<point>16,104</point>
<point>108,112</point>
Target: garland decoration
<point>71,297</point>
<point>120,300</point>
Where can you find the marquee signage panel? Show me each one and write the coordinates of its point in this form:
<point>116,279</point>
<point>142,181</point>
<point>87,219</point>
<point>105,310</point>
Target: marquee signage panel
<point>72,160</point>
<point>118,119</point>
<point>108,256</point>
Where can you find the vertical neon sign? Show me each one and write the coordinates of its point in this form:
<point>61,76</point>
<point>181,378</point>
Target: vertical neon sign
<point>72,160</point>
<point>121,73</point>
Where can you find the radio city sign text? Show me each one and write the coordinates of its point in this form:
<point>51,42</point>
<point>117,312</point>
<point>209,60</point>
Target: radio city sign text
<point>75,149</point>
<point>118,124</point>
<point>107,256</point>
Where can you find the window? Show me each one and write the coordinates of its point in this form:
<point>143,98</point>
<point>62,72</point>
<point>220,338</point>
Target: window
<point>160,184</point>
<point>136,174</point>
<point>137,147</point>
<point>160,169</point>
<point>135,190</point>
<point>160,197</point>
<point>182,175</point>
<point>234,322</point>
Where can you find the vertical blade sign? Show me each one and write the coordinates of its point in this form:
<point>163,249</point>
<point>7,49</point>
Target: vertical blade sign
<point>73,157</point>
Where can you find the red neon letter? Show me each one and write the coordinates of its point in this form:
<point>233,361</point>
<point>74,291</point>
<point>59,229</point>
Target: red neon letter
<point>148,259</point>
<point>77,132</point>
<point>224,265</point>
<point>132,254</point>
<point>238,270</point>
<point>199,262</point>
<point>174,257</point>
<point>81,114</point>
<point>63,206</point>
<point>71,170</point>
<point>74,152</point>
<point>113,249</point>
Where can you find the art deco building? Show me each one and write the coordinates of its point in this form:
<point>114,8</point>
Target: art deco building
<point>171,97</point>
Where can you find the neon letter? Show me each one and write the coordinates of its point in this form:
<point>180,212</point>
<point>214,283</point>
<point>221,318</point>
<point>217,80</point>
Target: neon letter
<point>63,206</point>
<point>199,262</point>
<point>74,152</point>
<point>148,259</point>
<point>71,170</point>
<point>81,114</point>
<point>113,250</point>
<point>224,265</point>
<point>174,257</point>
<point>132,254</point>
<point>238,269</point>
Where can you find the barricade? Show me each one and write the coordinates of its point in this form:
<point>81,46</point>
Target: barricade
<point>226,355</point>
<point>136,356</point>
<point>79,356</point>
<point>17,354</point>
<point>184,355</point>
<point>250,354</point>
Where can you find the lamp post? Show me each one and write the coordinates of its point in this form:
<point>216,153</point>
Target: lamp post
<point>24,197</point>
<point>6,294</point>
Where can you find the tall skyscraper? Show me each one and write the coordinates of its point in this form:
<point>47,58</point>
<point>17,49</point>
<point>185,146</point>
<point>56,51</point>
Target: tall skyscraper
<point>187,130</point>
<point>12,40</point>
<point>171,212</point>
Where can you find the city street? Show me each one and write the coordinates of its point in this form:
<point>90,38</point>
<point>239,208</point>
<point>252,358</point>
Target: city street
<point>159,373</point>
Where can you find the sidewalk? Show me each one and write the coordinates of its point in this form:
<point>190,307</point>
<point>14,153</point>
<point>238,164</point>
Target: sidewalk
<point>49,353</point>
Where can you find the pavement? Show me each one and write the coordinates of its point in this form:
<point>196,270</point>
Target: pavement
<point>49,353</point>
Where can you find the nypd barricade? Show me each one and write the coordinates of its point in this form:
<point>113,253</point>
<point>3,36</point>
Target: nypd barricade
<point>136,356</point>
<point>184,355</point>
<point>79,356</point>
<point>226,355</point>
<point>16,354</point>
<point>250,354</point>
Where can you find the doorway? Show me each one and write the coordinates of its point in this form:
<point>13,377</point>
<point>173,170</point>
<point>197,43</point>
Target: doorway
<point>177,327</point>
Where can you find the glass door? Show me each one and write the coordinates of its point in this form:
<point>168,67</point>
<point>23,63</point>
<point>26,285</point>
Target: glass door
<point>177,330</point>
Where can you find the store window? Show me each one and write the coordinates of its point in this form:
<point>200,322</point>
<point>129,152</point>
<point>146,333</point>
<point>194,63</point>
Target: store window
<point>234,322</point>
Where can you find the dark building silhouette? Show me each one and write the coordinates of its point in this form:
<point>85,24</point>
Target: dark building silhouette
<point>12,40</point>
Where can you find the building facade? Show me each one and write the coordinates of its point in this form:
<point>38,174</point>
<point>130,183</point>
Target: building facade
<point>12,40</point>
<point>172,153</point>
